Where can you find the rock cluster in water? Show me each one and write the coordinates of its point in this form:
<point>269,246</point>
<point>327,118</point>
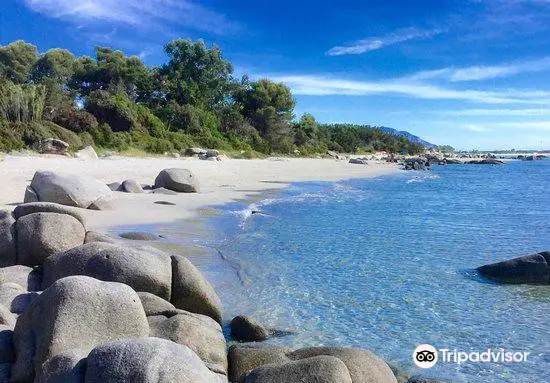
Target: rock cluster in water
<point>425,161</point>
<point>80,306</point>
<point>532,268</point>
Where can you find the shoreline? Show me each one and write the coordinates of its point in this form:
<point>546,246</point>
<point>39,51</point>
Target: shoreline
<point>221,182</point>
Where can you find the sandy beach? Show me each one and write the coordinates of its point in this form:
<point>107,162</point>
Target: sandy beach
<point>220,182</point>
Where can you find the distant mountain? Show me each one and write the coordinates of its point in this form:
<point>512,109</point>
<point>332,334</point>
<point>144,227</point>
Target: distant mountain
<point>408,135</point>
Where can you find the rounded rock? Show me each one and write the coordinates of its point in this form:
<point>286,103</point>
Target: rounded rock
<point>177,179</point>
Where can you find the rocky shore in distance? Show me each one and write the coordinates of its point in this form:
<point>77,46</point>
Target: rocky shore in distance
<point>80,306</point>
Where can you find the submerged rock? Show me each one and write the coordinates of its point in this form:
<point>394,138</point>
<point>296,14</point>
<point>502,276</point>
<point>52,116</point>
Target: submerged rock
<point>532,268</point>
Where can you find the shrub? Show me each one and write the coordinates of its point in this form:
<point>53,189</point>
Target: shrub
<point>17,135</point>
<point>21,103</point>
<point>117,110</point>
<point>75,120</point>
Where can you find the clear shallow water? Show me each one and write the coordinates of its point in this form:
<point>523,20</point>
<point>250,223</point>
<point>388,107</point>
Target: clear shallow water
<point>388,264</point>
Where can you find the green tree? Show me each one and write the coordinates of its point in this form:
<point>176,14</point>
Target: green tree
<point>196,74</point>
<point>17,60</point>
<point>308,125</point>
<point>111,71</point>
<point>56,65</point>
<point>269,106</point>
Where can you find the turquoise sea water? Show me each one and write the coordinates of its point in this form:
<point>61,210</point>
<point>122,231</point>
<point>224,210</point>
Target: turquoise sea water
<point>388,264</point>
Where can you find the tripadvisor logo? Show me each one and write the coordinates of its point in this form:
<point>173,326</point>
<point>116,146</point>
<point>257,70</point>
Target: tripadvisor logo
<point>426,356</point>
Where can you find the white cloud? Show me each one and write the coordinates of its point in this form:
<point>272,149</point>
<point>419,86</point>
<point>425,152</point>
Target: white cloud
<point>322,86</point>
<point>374,43</point>
<point>475,128</point>
<point>497,112</point>
<point>478,73</point>
<point>529,125</point>
<point>134,12</point>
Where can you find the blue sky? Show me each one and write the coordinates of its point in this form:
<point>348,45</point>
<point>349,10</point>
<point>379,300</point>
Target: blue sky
<point>470,73</point>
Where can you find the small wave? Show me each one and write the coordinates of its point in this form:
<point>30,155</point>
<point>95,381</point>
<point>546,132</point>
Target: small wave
<point>256,208</point>
<point>423,178</point>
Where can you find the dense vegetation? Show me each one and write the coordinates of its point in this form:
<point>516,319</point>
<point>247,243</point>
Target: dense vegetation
<point>116,102</point>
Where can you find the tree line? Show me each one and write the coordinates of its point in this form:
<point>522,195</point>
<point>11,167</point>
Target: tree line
<point>117,102</point>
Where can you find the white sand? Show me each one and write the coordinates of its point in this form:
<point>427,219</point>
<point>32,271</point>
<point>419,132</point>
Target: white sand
<point>221,182</point>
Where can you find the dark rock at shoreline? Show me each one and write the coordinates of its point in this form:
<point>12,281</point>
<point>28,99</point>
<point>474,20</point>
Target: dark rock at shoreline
<point>485,161</point>
<point>131,186</point>
<point>177,179</point>
<point>532,268</point>
<point>257,364</point>
<point>141,236</point>
<point>416,163</point>
<point>246,329</point>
